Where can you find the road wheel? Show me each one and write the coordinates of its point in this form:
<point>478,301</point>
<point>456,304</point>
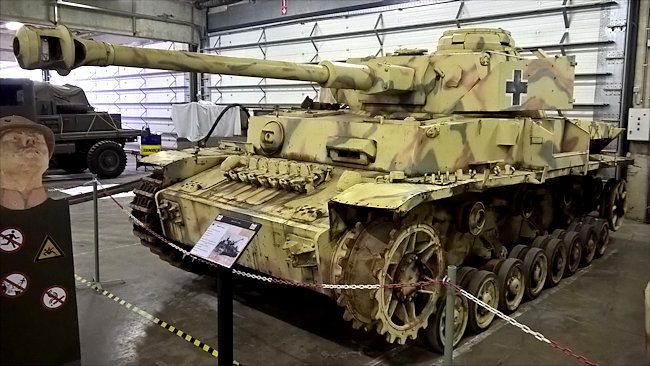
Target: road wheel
<point>463,276</point>
<point>483,285</point>
<point>558,233</point>
<point>540,241</point>
<point>519,251</point>
<point>511,284</point>
<point>434,334</point>
<point>589,241</point>
<point>556,255</point>
<point>573,252</point>
<point>492,265</point>
<point>72,163</point>
<point>107,159</point>
<point>602,234</point>
<point>535,269</point>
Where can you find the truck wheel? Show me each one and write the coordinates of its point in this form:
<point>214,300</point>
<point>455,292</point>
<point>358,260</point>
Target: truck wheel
<point>72,163</point>
<point>107,159</point>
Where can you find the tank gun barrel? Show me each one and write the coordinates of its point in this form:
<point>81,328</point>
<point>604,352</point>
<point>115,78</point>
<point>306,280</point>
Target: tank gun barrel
<point>56,48</point>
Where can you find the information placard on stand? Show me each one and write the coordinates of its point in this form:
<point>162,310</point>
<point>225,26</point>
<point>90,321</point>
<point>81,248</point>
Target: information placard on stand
<point>223,243</point>
<point>225,240</point>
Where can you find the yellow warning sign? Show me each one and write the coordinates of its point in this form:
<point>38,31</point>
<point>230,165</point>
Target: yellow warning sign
<point>49,250</point>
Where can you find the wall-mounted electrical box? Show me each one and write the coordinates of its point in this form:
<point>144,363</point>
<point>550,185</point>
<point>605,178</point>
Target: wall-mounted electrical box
<point>638,124</point>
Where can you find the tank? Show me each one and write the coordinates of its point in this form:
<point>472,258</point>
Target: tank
<point>419,161</point>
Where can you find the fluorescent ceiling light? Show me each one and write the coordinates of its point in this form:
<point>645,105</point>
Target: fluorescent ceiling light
<point>13,25</point>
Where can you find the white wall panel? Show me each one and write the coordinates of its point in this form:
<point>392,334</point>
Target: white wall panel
<point>300,52</point>
<point>344,25</point>
<point>341,49</point>
<point>142,96</point>
<point>585,32</point>
<point>420,15</point>
<point>293,30</point>
<point>505,7</point>
<point>10,69</point>
<point>233,39</point>
<point>583,92</point>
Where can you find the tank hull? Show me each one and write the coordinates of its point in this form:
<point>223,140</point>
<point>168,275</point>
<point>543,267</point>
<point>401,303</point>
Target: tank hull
<point>302,222</point>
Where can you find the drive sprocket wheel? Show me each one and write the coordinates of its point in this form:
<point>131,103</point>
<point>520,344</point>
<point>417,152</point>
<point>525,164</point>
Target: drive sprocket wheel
<point>384,254</point>
<point>614,203</point>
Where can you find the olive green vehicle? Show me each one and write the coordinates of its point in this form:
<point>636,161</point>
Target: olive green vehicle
<point>423,160</point>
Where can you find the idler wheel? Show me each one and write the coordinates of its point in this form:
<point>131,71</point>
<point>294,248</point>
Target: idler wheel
<point>556,256</point>
<point>614,203</point>
<point>483,285</point>
<point>535,268</point>
<point>434,334</point>
<point>519,251</point>
<point>511,280</point>
<point>589,241</point>
<point>602,236</point>
<point>573,247</point>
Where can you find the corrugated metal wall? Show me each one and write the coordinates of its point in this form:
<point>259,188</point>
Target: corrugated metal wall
<point>589,30</point>
<point>144,97</point>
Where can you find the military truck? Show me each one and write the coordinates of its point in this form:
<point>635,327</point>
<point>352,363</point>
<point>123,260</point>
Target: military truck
<point>429,160</point>
<point>84,138</point>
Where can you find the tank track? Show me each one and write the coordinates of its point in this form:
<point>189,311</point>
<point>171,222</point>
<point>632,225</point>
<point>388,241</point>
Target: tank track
<point>512,274</point>
<point>591,234</point>
<point>143,207</point>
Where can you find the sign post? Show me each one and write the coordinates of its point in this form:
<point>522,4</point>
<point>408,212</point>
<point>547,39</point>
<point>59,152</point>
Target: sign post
<point>223,243</point>
<point>224,315</point>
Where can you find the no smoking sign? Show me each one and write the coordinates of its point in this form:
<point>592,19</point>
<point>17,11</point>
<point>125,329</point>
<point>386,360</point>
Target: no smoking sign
<point>54,297</point>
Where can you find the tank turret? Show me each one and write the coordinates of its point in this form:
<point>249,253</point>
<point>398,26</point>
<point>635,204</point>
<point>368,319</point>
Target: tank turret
<point>473,70</point>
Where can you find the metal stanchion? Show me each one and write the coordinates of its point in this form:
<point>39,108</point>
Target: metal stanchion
<point>449,316</point>
<point>96,280</point>
<point>96,227</point>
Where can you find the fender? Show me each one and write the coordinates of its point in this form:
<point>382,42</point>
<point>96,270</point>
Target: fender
<point>179,165</point>
<point>398,197</point>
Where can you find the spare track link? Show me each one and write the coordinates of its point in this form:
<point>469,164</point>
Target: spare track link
<point>143,207</point>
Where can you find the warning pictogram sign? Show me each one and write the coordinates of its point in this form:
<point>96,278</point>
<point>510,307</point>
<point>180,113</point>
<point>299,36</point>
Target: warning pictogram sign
<point>11,240</point>
<point>48,250</point>
<point>54,297</point>
<point>14,284</point>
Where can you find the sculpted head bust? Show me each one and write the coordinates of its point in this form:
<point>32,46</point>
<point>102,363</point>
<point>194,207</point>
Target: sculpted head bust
<point>25,151</point>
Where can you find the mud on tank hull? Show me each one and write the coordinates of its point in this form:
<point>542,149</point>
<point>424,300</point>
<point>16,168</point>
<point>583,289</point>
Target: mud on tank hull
<point>330,223</point>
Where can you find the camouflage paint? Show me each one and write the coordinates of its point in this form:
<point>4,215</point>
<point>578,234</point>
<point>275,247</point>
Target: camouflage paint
<point>420,128</point>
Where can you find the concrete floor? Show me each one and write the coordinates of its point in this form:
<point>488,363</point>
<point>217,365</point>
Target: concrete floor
<point>598,312</point>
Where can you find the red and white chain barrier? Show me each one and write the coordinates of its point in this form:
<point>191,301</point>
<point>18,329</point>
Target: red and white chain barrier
<point>459,290</point>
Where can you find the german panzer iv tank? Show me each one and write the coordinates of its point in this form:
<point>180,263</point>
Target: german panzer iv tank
<point>436,159</point>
